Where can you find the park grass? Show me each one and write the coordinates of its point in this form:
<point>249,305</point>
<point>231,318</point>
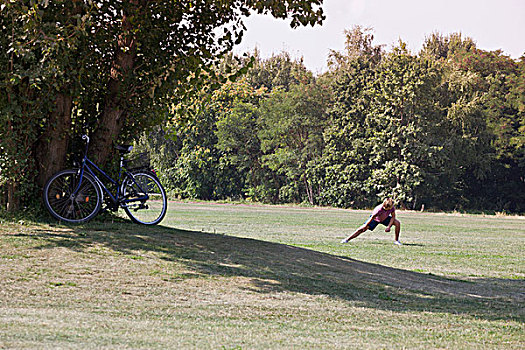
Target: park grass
<point>222,276</point>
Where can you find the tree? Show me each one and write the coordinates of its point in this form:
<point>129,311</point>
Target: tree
<point>358,44</point>
<point>441,47</point>
<point>112,68</point>
<point>497,81</point>
<point>217,154</point>
<point>291,133</point>
<point>400,128</point>
<point>410,135</point>
<point>343,168</point>
<point>240,151</point>
<point>443,128</point>
<point>41,61</point>
<point>277,71</point>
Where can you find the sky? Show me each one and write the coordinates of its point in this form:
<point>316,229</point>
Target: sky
<point>492,24</point>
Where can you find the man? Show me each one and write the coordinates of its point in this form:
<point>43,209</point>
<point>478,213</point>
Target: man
<point>384,214</point>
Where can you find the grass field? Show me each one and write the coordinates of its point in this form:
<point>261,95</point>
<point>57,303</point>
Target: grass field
<point>222,276</point>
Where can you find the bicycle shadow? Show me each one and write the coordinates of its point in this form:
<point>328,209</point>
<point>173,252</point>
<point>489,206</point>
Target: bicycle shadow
<point>273,267</point>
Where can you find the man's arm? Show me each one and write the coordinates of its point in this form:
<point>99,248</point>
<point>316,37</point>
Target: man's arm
<point>387,229</point>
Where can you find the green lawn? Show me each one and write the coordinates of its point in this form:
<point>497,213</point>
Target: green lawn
<point>222,276</point>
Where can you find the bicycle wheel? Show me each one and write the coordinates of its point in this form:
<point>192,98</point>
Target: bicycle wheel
<point>149,211</point>
<point>63,205</point>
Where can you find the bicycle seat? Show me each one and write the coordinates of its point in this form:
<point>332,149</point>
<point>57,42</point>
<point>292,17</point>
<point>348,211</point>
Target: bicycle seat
<point>123,148</point>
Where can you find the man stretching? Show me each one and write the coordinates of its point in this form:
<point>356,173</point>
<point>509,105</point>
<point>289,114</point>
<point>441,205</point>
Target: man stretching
<point>384,214</point>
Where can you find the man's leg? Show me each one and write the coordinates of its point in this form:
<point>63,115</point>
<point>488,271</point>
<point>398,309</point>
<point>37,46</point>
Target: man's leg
<point>355,234</point>
<point>397,225</point>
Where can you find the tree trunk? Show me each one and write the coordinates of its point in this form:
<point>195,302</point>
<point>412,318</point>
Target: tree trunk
<point>13,201</point>
<point>107,132</point>
<point>115,105</point>
<point>309,191</point>
<point>51,149</point>
<point>114,115</point>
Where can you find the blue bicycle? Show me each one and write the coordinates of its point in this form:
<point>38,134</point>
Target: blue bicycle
<point>77,195</point>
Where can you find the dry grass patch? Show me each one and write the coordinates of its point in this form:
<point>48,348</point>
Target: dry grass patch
<point>121,285</point>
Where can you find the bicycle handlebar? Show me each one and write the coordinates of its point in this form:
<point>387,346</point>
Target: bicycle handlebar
<point>85,137</point>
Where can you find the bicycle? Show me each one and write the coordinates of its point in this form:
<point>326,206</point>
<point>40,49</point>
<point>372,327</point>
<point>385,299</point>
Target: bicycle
<point>77,195</point>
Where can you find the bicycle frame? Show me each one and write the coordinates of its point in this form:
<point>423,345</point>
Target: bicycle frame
<point>116,198</point>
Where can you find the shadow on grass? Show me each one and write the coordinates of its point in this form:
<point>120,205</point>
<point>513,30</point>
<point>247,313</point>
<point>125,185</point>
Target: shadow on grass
<point>274,267</point>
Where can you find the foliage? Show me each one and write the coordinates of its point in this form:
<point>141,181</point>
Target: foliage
<point>444,128</point>
<point>109,68</point>
<point>291,134</point>
<point>247,156</point>
<point>417,127</point>
<point>498,80</point>
<point>441,129</point>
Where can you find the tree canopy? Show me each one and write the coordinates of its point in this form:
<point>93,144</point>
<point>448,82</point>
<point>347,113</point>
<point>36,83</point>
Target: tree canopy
<point>442,129</point>
<point>109,68</point>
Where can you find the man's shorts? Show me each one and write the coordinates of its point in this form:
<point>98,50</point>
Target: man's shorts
<point>373,224</point>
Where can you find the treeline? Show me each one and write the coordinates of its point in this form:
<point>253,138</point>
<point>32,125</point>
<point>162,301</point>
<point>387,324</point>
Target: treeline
<point>444,129</point>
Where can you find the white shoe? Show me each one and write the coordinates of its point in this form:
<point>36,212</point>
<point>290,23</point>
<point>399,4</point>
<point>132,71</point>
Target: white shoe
<point>344,241</point>
<point>398,243</point>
